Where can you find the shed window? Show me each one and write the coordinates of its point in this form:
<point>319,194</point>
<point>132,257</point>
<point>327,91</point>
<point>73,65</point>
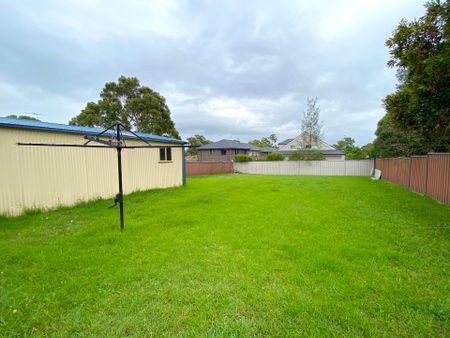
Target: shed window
<point>223,152</point>
<point>165,154</point>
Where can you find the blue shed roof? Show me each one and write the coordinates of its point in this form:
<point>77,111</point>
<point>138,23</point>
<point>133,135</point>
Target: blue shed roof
<point>65,128</point>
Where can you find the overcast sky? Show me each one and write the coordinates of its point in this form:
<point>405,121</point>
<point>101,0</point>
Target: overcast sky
<point>228,69</point>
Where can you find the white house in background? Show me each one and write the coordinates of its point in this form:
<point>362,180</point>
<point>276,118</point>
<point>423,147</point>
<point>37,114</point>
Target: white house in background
<point>294,144</point>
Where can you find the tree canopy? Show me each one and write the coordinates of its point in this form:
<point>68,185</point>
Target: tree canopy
<point>369,150</point>
<point>345,144</point>
<point>356,153</point>
<point>270,141</point>
<point>137,107</point>
<point>392,141</point>
<point>23,117</point>
<point>417,117</point>
<point>352,151</point>
<point>196,140</point>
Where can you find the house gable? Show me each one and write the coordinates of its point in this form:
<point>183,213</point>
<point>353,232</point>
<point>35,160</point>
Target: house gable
<point>299,143</point>
<point>226,150</point>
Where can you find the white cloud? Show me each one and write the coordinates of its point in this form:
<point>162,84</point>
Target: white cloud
<point>227,69</point>
<point>95,20</point>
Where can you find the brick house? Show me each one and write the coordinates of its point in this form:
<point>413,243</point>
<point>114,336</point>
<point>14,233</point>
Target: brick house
<point>226,150</point>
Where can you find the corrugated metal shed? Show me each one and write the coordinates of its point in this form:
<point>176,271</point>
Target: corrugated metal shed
<point>65,128</point>
<point>48,177</point>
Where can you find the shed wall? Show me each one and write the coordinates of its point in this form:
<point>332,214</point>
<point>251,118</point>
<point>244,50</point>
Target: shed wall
<point>47,177</point>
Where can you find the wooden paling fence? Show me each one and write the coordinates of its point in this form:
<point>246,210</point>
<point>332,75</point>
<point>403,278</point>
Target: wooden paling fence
<point>208,168</point>
<point>429,174</point>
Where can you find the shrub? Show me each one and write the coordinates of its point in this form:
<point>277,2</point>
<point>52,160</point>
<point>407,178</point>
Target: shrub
<point>242,158</point>
<point>306,155</point>
<point>355,153</point>
<point>275,157</point>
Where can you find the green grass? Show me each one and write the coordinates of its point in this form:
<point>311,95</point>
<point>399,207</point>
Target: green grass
<point>233,255</point>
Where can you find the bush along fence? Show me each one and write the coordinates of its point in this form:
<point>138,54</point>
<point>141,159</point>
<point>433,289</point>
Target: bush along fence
<point>429,174</point>
<point>313,168</point>
<point>208,168</point>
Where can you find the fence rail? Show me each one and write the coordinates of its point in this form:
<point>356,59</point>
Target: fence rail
<point>208,168</point>
<point>314,168</point>
<point>428,174</point>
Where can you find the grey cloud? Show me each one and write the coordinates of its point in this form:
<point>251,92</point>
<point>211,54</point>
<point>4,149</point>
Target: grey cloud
<point>255,61</point>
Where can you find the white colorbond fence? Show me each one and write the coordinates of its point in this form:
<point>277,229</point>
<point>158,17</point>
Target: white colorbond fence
<point>313,168</point>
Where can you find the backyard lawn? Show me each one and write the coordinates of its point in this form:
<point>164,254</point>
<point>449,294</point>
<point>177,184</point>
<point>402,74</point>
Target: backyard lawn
<point>237,255</point>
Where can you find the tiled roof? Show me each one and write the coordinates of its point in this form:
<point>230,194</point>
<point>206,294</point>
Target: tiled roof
<point>226,144</point>
<point>287,141</point>
<point>330,152</point>
<point>233,144</point>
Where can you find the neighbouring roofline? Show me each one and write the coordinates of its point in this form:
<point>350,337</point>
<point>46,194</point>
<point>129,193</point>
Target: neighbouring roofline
<point>328,152</point>
<point>289,140</point>
<point>69,129</point>
<point>232,144</point>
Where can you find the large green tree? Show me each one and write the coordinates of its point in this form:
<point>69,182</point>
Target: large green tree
<point>395,142</point>
<point>418,112</point>
<point>345,144</point>
<point>270,141</point>
<point>369,150</point>
<point>138,108</point>
<point>356,153</point>
<point>22,117</point>
<point>196,140</point>
<point>352,151</point>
